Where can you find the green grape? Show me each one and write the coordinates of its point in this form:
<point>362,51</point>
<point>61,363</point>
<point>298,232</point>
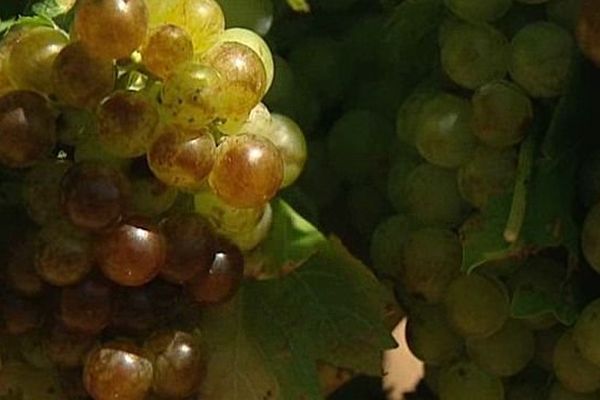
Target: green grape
<point>41,191</point>
<point>476,305</point>
<point>404,164</point>
<point>81,80</point>
<point>479,10</point>
<point>563,13</point>
<point>505,352</point>
<point>545,344</point>
<point>283,83</point>
<point>387,245</point>
<point>29,63</point>
<point>254,15</point>
<point>432,196</point>
<point>249,239</point>
<point>189,95</point>
<point>430,338</point>
<point>75,125</point>
<point>366,207</point>
<point>573,371</point>
<point>111,29</point>
<point>259,121</point>
<point>541,59</point>
<point>203,20</point>
<point>319,180</point>
<point>590,237</point>
<point>92,150</point>
<point>165,48</point>
<point>357,144</point>
<point>588,181</point>
<point>126,123</point>
<point>151,197</point>
<point>432,259</point>
<point>488,174</point>
<point>444,136</point>
<point>224,217</point>
<point>473,55</point>
<point>408,115</point>
<point>585,332</point>
<point>559,392</point>
<point>465,380</point>
<point>27,129</point>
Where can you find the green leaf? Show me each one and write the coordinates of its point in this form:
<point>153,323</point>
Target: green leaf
<point>36,20</point>
<point>52,8</point>
<point>299,5</point>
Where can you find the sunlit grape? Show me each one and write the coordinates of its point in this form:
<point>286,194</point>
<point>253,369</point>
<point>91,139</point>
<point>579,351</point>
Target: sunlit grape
<point>477,10</point>
<point>248,239</point>
<point>86,307</point>
<point>465,380</point>
<point>259,121</point>
<point>90,150</point>
<point>166,47</point>
<point>573,371</point>
<point>41,191</point>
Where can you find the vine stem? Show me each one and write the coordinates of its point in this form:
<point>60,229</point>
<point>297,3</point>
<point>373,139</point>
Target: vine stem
<point>519,201</point>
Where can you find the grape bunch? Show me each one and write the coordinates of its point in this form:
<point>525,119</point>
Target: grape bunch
<point>146,161</point>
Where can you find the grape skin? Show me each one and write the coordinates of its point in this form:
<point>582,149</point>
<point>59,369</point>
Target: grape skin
<point>86,307</point>
<point>464,380</point>
<point>166,47</point>
<point>387,245</point>
<point>559,392</point>
<point>479,11</point>
<point>584,332</point>
<point>573,371</point>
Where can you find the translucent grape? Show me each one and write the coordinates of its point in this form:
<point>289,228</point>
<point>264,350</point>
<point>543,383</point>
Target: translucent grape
<point>132,254</point>
<point>65,348</point>
<point>588,30</point>
<point>573,371</point>
<point>259,121</point>
<point>465,380</point>
<point>151,197</point>
<point>74,126</point>
<point>41,191</point>
<point>541,59</point>
<point>432,259</point>
<point>86,307</point>
<point>126,123</point>
<point>387,245</point>
<point>476,306</point>
<point>444,135</point>
<point>111,28</point>
<point>29,62</point>
<point>408,115</point>
<point>166,47</point>
<point>559,392</point>
<point>249,239</point>
<point>590,237</point>
<point>478,10</point>
<point>430,338</point>
<point>473,55</point>
<point>203,20</point>
<point>431,196</point>
<point>564,13</point>
<point>181,159</point>
<point>79,79</point>
<point>502,114</point>
<point>253,15</point>
<point>403,165</point>
<point>248,171</point>
<point>27,129</point>
<point>488,174</point>
<point>585,330</point>
<point>224,217</point>
<point>90,150</point>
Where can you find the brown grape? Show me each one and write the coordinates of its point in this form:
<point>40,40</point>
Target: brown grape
<point>152,197</point>
<point>20,315</point>
<point>133,310</point>
<point>75,125</point>
<point>27,129</point>
<point>81,80</point>
<point>94,195</point>
<point>167,47</point>
<point>132,254</point>
<point>181,159</point>
<point>126,123</point>
<point>248,171</point>
<point>178,362</point>
<point>65,348</point>
<point>86,307</point>
<point>111,29</point>
<point>222,280</point>
<point>190,247</point>
<point>41,192</point>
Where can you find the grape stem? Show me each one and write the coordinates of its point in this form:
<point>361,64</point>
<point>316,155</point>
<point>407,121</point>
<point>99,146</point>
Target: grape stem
<point>519,201</point>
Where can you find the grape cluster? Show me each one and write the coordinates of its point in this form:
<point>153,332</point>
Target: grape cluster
<point>147,162</point>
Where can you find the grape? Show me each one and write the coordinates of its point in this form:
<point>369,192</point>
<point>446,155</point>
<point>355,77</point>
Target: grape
<point>259,121</point>
<point>476,306</point>
<point>432,259</point>
<point>283,83</point>
<point>559,392</point>
<point>111,28</point>
<point>545,343</point>
<point>20,315</point>
<point>430,338</point>
<point>222,280</point>
<point>366,207</point>
<point>86,307</point>
<point>166,47</point>
<point>224,217</point>
<point>541,59</point>
<point>432,196</point>
<point>478,10</point>
<point>190,247</point>
<point>254,15</point>
<point>20,270</point>
<point>126,123</point>
<point>178,362</point>
<point>444,136</point>
<point>590,237</point>
<point>501,114</point>
<point>41,191</point>
<point>79,79</point>
<point>573,371</point>
<point>403,165</point>
<point>473,55</point>
<point>465,380</point>
<point>132,254</point>
<point>27,129</point>
<point>588,30</point>
<point>151,197</point>
<point>249,239</point>
<point>584,332</point>
<point>182,159</point>
<point>203,20</point>
<point>408,115</point>
<point>75,125</point>
<point>248,171</point>
<point>94,196</point>
<point>488,174</point>
<point>65,348</point>
<point>358,144</point>
<point>189,95</point>
<point>29,61</point>
<point>505,352</point>
<point>564,13</point>
<point>63,254</point>
<point>113,373</point>
<point>92,151</point>
<point>133,310</point>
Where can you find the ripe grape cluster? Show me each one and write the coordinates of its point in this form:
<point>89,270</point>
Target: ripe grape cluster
<point>147,162</point>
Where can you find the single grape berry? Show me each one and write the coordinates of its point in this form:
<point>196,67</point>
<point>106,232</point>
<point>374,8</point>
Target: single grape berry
<point>66,348</point>
<point>86,307</point>
<point>167,47</point>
